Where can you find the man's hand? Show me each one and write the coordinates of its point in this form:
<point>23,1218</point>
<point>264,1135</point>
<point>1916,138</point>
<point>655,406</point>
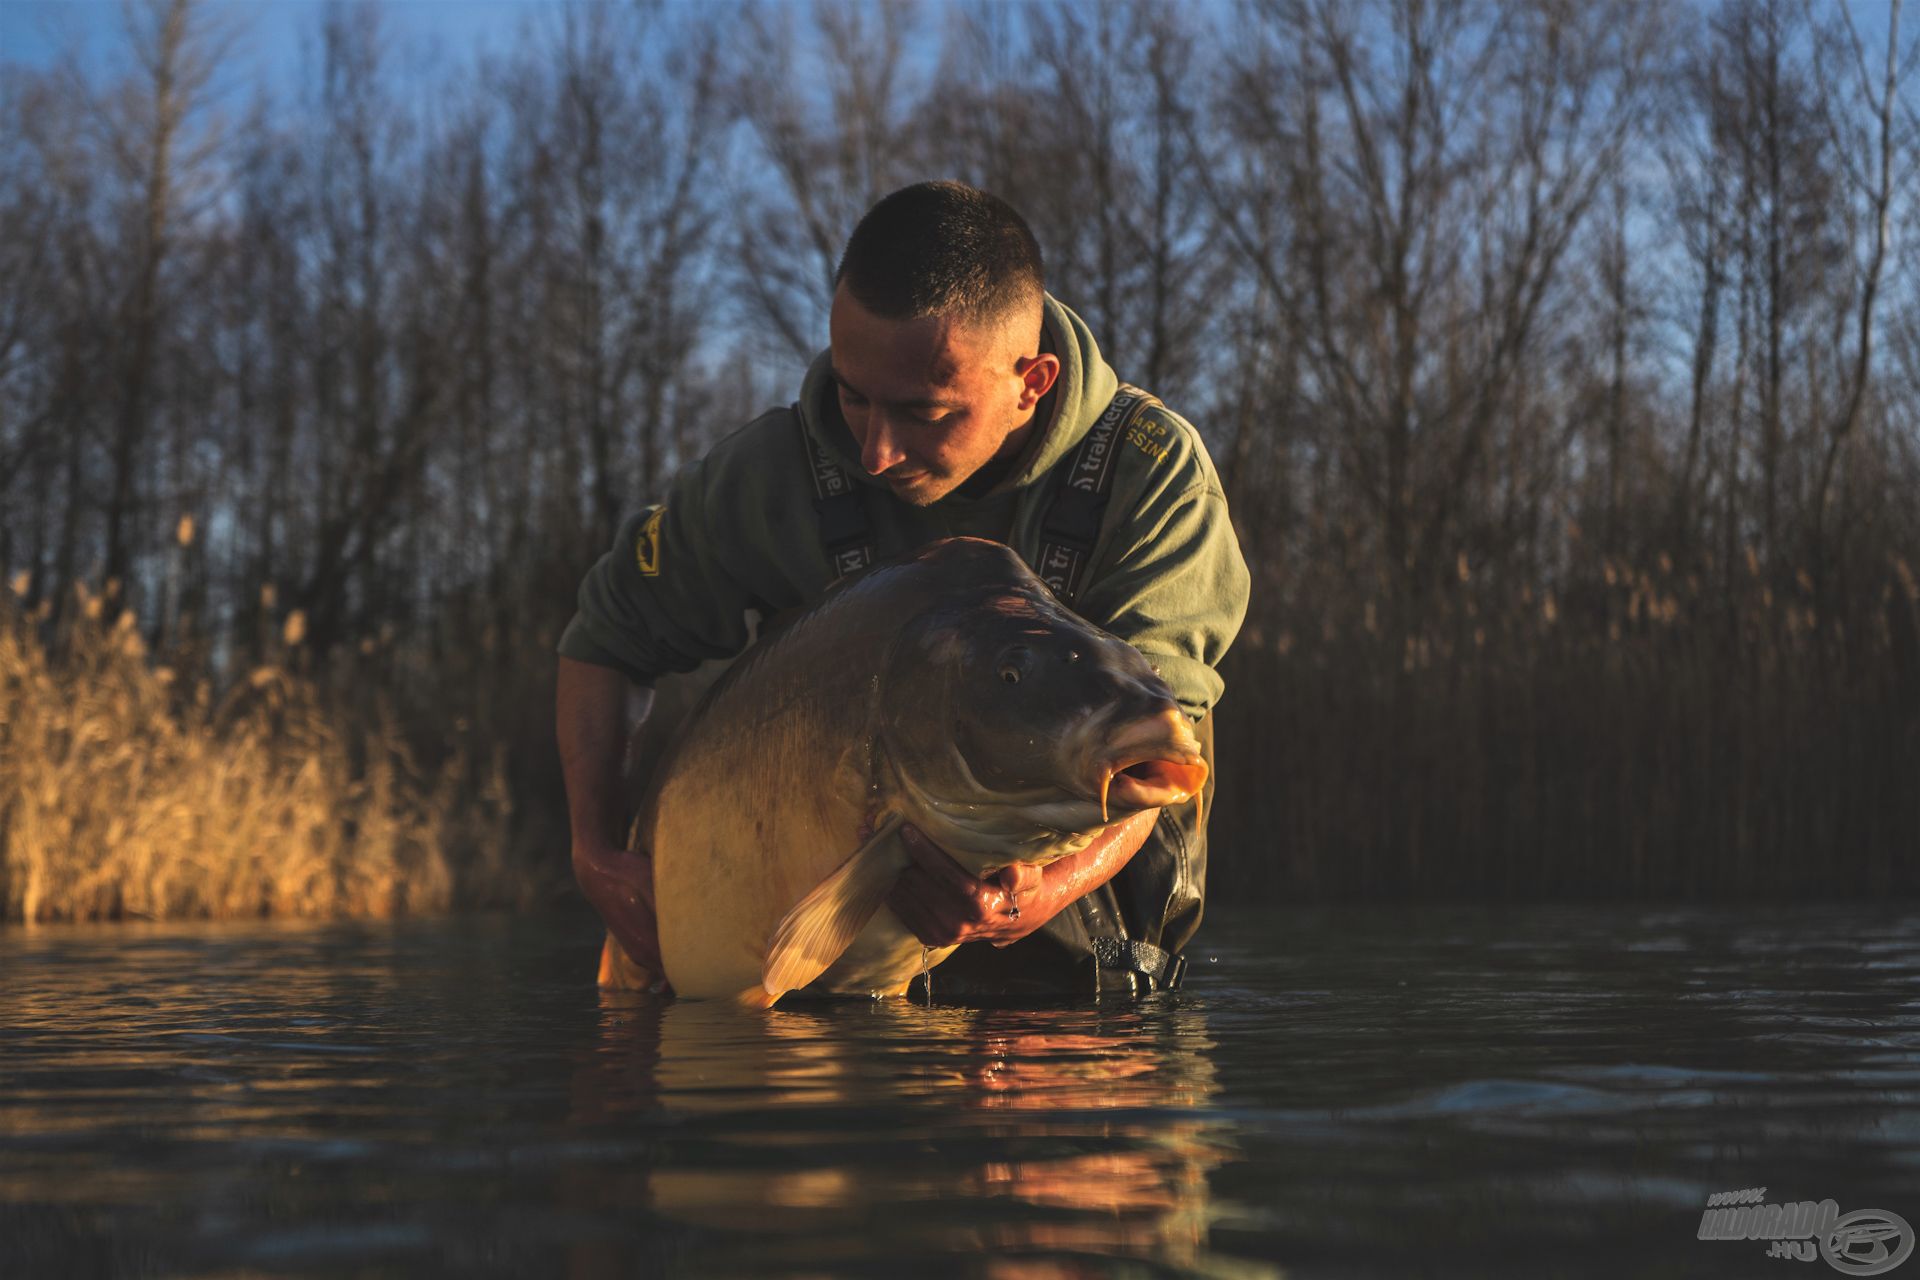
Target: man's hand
<point>619,885</point>
<point>944,906</point>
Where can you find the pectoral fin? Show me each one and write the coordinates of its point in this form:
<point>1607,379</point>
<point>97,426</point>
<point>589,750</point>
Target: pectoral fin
<point>817,931</point>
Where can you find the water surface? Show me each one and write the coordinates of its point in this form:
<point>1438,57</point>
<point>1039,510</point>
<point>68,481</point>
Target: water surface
<point>1432,1092</point>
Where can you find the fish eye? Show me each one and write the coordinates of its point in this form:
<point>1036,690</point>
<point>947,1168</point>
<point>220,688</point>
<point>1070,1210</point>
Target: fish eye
<point>1014,663</point>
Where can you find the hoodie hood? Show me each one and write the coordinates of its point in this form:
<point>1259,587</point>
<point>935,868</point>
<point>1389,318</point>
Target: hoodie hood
<point>1079,396</point>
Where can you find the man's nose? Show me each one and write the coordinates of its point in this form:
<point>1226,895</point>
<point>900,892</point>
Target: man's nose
<point>880,451</point>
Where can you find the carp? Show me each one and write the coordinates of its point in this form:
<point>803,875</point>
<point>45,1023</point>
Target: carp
<point>948,689</point>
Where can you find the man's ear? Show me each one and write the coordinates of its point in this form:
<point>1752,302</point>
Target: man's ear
<point>1037,376</point>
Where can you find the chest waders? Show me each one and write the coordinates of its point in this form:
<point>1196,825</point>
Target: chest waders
<point>1123,939</point>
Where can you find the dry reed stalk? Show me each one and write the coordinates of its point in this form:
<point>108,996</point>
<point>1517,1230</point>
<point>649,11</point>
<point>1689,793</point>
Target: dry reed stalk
<point>124,795</point>
<point>1612,732</point>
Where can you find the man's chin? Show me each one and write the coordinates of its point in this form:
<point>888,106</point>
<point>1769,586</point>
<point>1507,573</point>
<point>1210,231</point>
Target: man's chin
<point>922,490</point>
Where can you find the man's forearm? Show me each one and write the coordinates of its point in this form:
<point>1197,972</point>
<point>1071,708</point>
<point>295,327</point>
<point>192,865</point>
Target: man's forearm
<point>590,723</point>
<point>1077,875</point>
<point>943,905</point>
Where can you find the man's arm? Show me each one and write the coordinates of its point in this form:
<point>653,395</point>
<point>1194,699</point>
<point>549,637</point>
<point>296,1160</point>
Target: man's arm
<point>674,587</point>
<point>663,597</point>
<point>590,722</point>
<point>944,906</point>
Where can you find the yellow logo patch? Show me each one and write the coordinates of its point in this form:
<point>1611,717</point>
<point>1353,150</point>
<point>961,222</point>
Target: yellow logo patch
<point>646,549</point>
<point>1151,438</point>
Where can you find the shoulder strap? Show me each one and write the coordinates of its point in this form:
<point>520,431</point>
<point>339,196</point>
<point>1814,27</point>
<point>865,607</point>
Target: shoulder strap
<point>1071,524</point>
<point>840,507</point>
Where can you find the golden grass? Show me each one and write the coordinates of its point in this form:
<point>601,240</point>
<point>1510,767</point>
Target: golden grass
<point>127,791</point>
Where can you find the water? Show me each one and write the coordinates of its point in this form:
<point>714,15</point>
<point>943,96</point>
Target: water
<point>1436,1092</point>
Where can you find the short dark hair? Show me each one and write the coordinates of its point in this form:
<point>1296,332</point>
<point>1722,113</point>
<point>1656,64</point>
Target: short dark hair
<point>940,249</point>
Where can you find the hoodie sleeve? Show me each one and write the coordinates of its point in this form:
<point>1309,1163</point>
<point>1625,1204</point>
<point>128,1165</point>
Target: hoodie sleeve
<point>1169,578</point>
<point>665,597</point>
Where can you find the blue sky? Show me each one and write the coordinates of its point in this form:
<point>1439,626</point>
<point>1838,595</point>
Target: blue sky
<point>35,32</point>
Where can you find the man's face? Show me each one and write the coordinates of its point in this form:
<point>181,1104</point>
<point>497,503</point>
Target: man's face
<point>930,401</point>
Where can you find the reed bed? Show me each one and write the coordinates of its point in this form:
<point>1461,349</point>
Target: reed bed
<point>129,790</point>
<point>1716,732</point>
<point>1642,732</point>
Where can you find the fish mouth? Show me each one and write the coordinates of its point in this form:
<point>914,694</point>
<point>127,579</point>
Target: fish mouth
<point>1155,763</point>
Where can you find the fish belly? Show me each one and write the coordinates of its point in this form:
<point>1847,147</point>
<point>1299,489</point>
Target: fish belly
<point>729,864</point>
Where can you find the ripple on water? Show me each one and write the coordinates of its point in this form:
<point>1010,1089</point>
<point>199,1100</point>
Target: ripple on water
<point>1376,1092</point>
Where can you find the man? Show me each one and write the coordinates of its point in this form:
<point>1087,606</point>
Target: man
<point>955,397</point>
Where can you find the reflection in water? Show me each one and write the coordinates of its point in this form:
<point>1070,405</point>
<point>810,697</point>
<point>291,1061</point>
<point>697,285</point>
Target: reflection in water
<point>1040,1135</point>
<point>1441,1093</point>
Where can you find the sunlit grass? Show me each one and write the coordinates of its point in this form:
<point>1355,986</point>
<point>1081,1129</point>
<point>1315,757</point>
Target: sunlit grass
<point>128,789</point>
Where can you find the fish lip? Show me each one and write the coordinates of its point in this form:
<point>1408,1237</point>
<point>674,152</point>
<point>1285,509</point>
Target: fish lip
<point>1174,778</point>
<point>1164,741</point>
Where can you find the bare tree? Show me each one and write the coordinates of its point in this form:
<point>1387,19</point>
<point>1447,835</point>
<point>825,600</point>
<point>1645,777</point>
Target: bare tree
<point>1697,205</point>
<point>161,146</point>
<point>1117,200</point>
<point>31,220</point>
<point>825,92</point>
<point>1868,149</point>
<point>1544,447</point>
<point>625,143</point>
<point>1438,162</point>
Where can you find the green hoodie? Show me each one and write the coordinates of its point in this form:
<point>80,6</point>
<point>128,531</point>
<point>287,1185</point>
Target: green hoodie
<point>738,532</point>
